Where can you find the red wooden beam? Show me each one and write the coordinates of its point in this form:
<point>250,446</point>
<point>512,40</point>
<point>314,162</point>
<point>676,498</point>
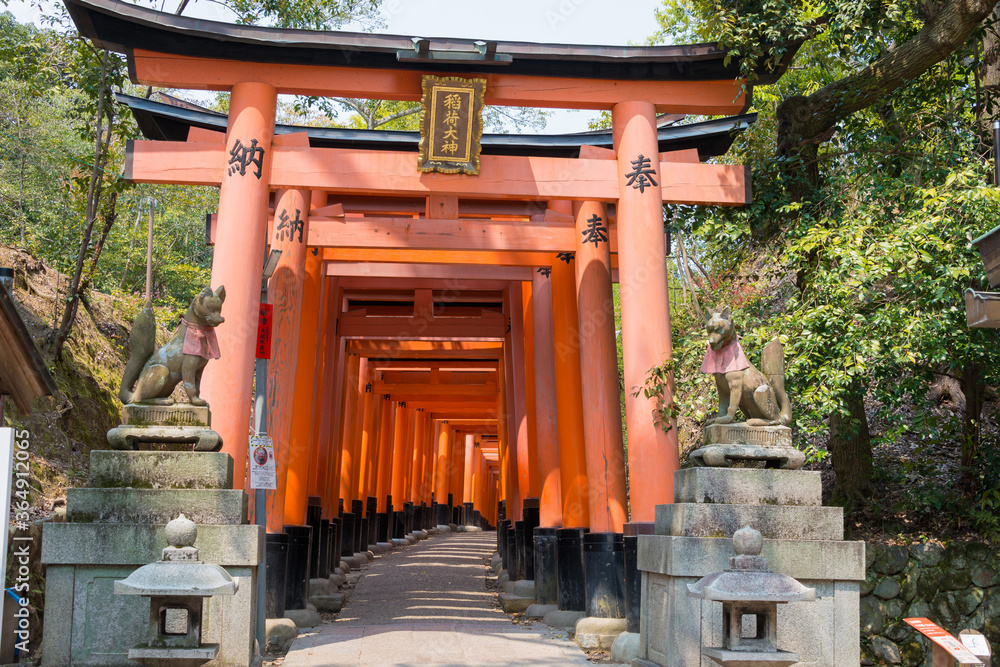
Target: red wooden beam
<point>359,172</point>
<point>684,97</point>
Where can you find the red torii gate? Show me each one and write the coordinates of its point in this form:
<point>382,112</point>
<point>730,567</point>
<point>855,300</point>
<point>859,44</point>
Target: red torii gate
<point>469,228</point>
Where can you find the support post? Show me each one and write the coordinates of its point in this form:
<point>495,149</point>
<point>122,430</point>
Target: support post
<point>285,290</point>
<point>653,455</point>
<point>239,255</point>
<point>602,421</point>
<point>546,414</point>
<point>309,396</point>
<point>569,397</point>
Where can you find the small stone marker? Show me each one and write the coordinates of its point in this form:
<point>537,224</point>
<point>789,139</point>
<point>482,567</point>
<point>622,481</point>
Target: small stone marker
<point>944,643</point>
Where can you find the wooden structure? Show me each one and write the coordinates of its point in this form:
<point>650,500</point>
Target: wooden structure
<point>438,336</point>
<point>23,373</point>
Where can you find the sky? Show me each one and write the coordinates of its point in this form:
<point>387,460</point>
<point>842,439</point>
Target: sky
<point>604,22</point>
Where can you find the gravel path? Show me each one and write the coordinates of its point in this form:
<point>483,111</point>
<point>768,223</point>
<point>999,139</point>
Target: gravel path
<point>428,604</point>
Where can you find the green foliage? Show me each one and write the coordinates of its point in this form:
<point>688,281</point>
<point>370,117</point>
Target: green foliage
<point>857,256</point>
<point>48,98</point>
<point>310,14</point>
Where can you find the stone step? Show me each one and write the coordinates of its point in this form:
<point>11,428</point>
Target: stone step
<point>156,506</point>
<point>748,486</point>
<point>775,522</point>
<point>160,470</point>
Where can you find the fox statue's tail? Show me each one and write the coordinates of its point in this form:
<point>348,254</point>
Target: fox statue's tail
<point>142,344</point>
<point>772,364</point>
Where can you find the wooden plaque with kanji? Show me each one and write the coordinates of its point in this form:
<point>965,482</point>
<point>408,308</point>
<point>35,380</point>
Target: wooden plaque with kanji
<point>451,124</point>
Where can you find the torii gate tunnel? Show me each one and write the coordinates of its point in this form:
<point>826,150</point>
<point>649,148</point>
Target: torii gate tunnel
<point>440,339</point>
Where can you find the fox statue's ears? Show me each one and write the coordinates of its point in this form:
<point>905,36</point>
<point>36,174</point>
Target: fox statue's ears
<point>221,293</point>
<point>723,312</point>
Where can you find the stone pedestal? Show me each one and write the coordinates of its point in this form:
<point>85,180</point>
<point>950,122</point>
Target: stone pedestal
<point>116,526</point>
<point>802,539</point>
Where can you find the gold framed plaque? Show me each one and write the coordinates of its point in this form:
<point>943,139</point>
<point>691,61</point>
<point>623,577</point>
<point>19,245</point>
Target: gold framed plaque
<point>451,124</point>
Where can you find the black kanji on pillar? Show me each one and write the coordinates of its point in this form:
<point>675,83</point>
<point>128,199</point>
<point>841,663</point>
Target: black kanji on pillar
<point>242,156</point>
<point>595,232</point>
<point>641,176</point>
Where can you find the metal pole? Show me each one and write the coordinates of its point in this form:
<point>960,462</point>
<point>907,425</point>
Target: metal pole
<point>996,153</point>
<point>260,495</point>
<point>149,253</point>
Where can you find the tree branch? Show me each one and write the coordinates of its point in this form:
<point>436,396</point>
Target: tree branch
<point>805,119</point>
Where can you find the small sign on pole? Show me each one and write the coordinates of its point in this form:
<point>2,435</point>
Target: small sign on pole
<point>976,642</point>
<point>945,644</point>
<point>264,331</point>
<point>262,470</point>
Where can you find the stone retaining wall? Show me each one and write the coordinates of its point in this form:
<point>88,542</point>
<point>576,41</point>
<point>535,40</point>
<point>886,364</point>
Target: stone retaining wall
<point>957,587</point>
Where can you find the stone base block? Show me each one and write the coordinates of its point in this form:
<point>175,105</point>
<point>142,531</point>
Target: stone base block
<point>443,528</point>
<point>751,658</point>
<point>524,588</point>
<point>775,522</point>
<point>386,546</point>
<point>327,603</point>
<point>179,414</point>
<point>743,434</point>
<point>319,587</point>
<point>336,581</point>
<point>87,624</point>
<point>353,562</point>
<point>591,633</point>
<point>502,578</point>
<point>156,506</point>
<point>160,470</point>
<point>539,610</point>
<point>625,648</point>
<point>473,529</point>
<point>280,634</point>
<point>364,556</point>
<point>400,542</point>
<point>420,534</point>
<point>375,549</point>
<point>515,604</point>
<point>304,618</point>
<point>747,486</point>
<point>675,627</point>
<point>202,439</point>
<point>354,577</point>
<point>564,620</point>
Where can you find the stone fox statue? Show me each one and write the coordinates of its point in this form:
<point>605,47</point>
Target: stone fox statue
<point>150,376</point>
<point>759,395</point>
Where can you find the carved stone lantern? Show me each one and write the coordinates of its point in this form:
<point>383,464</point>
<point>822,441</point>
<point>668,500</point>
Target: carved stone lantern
<point>176,586</point>
<point>750,594</point>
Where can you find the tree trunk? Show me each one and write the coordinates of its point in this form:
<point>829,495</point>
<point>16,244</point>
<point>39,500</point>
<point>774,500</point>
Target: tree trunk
<point>101,145</point>
<point>807,120</point>
<point>974,388</point>
<point>851,451</point>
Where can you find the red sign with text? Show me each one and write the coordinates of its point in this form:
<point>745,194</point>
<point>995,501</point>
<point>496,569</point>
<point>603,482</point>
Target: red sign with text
<point>940,636</point>
<point>264,331</point>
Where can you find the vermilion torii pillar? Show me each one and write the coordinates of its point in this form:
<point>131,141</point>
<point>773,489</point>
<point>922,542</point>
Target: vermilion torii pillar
<point>399,453</point>
<point>308,404</point>
<point>602,420</point>
<point>366,439</point>
<point>291,229</point>
<point>384,482</point>
<point>238,263</point>
<point>652,452</point>
<point>572,450</point>
<point>546,412</point>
